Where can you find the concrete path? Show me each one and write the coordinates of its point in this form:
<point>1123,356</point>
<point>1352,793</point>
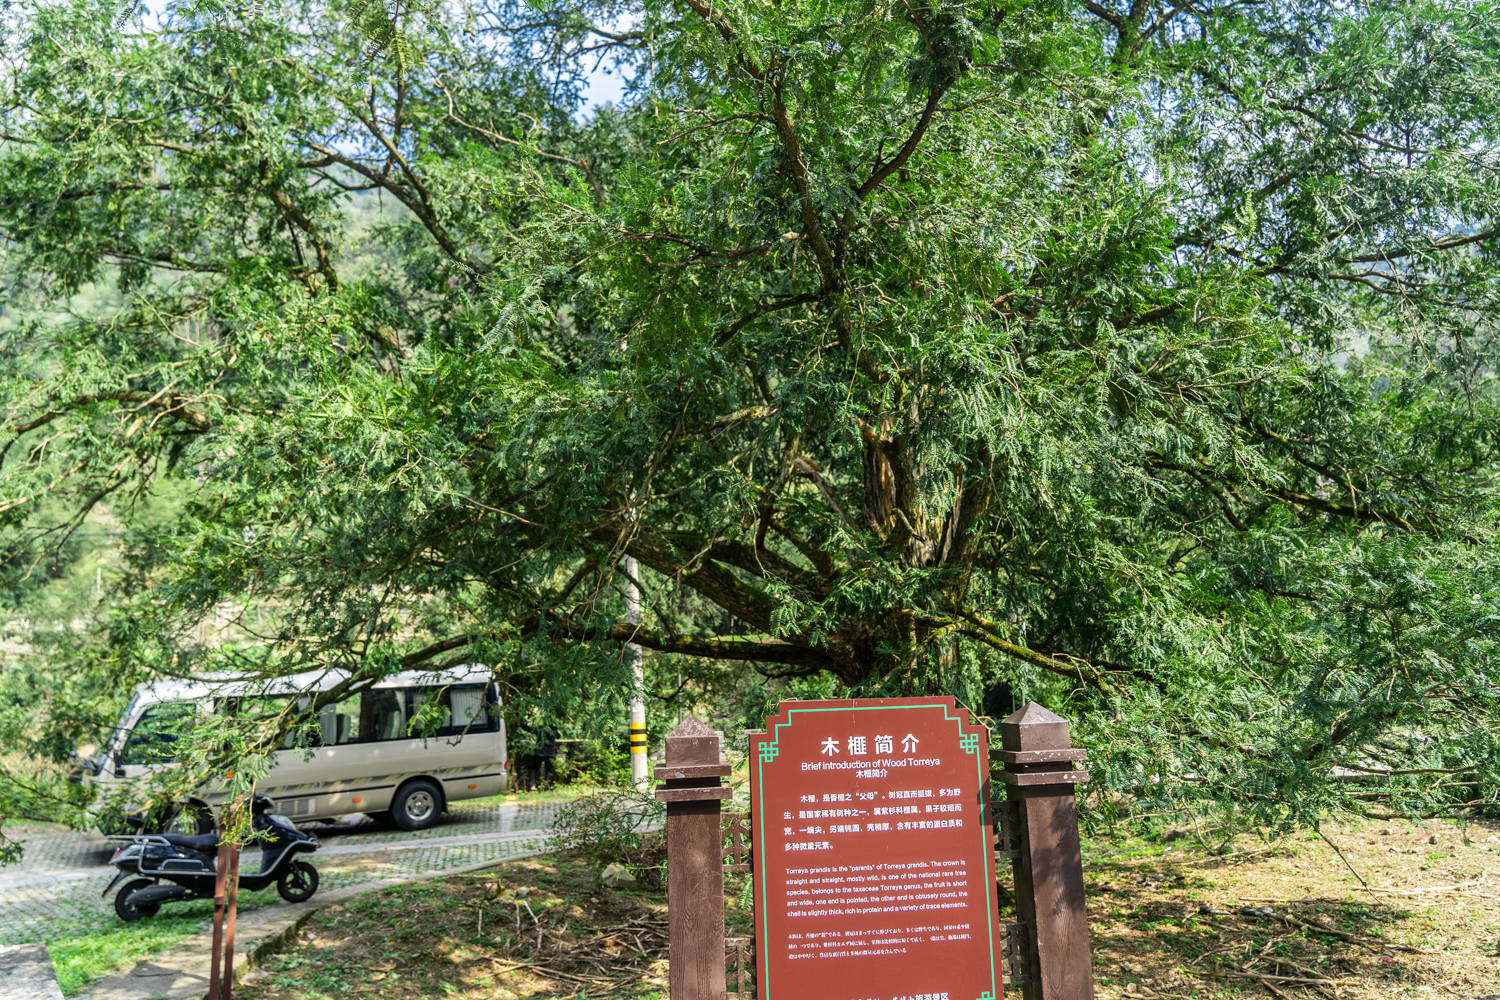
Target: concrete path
<point>54,892</point>
<point>26,974</point>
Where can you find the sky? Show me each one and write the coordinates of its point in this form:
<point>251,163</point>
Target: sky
<point>604,88</point>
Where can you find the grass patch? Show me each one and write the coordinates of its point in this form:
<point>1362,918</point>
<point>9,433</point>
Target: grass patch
<point>81,956</point>
<point>1178,918</point>
<point>82,959</point>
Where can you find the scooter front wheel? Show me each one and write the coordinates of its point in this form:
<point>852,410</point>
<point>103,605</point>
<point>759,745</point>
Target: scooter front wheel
<point>298,882</point>
<point>130,911</point>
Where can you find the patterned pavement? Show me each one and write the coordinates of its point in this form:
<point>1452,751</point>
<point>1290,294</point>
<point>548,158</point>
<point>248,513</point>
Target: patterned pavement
<point>54,892</point>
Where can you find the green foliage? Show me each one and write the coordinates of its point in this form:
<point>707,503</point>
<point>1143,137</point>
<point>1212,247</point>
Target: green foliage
<point>1141,359</point>
<point>614,828</point>
<point>604,762</point>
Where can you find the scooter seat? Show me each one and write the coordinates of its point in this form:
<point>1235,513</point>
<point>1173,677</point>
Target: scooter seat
<point>201,842</point>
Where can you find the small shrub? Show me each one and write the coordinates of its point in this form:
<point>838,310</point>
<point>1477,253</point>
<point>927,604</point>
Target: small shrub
<point>615,828</point>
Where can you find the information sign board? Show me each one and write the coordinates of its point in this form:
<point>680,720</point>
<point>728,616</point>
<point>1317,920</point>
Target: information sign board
<point>874,864</point>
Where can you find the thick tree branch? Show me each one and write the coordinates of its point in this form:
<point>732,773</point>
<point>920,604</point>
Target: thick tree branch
<point>295,216</point>
<point>712,647</point>
<point>993,636</point>
<point>884,170</point>
<point>715,582</point>
<point>401,193</point>
<point>812,227</point>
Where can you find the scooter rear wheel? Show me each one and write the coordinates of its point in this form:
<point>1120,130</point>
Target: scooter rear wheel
<point>129,911</point>
<point>298,882</point>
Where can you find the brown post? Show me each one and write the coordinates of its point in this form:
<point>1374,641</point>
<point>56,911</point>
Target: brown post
<point>1041,769</point>
<point>221,874</point>
<point>232,905</point>
<point>694,793</point>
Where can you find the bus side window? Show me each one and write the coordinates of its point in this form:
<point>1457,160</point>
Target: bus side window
<point>493,707</point>
<point>150,742</point>
<point>428,709</point>
<point>267,709</point>
<point>339,724</point>
<point>451,711</point>
<point>467,708</point>
<point>382,715</point>
<point>305,732</point>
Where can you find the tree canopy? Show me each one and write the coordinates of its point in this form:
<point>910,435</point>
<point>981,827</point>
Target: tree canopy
<point>1139,355</point>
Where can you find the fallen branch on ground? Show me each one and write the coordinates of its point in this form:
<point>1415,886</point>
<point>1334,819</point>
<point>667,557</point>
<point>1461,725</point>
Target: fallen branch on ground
<point>1265,977</point>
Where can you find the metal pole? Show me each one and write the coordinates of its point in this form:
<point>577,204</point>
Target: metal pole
<point>637,731</point>
<point>638,771</point>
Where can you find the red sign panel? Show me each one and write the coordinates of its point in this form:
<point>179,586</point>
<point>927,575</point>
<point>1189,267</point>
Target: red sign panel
<point>874,865</point>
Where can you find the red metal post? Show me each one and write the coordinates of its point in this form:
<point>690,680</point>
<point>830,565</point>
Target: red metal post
<point>694,793</point>
<point>1041,770</point>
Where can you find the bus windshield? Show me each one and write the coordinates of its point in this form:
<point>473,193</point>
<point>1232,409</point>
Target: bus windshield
<point>155,733</point>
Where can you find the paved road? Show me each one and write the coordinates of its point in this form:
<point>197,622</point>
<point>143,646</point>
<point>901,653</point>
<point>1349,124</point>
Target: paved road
<point>53,894</point>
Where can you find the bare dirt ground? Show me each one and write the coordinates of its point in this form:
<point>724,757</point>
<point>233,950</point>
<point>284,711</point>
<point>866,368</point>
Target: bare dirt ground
<point>542,928</point>
<point>1377,910</point>
<point>1396,911</point>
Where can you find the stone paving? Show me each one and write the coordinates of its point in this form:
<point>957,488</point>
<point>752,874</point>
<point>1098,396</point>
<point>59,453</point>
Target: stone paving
<point>26,974</point>
<point>54,893</point>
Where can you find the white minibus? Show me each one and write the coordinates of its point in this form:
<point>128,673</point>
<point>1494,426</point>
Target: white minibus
<point>368,753</point>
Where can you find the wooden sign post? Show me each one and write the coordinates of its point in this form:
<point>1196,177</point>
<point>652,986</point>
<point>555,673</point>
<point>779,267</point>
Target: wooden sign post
<point>870,853</point>
<point>874,869</point>
<point>694,793</point>
<point>1042,767</point>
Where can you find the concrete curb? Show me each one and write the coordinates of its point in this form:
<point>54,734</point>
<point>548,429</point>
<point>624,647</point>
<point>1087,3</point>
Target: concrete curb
<point>26,973</point>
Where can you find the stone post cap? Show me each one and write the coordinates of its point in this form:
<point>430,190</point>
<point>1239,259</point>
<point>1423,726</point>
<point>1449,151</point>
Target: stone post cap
<point>692,742</point>
<point>1034,728</point>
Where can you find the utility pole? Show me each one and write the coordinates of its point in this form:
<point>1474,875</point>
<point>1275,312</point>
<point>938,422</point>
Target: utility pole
<point>639,775</point>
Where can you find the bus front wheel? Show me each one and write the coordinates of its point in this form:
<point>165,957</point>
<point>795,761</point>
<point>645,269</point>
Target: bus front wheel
<point>417,805</point>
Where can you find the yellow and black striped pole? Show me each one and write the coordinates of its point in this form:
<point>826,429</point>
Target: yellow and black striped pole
<point>640,775</point>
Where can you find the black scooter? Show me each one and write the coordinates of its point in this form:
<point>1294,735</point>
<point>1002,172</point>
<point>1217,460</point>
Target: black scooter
<point>178,866</point>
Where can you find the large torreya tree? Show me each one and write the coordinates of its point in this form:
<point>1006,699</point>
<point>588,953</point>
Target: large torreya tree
<point>1141,355</point>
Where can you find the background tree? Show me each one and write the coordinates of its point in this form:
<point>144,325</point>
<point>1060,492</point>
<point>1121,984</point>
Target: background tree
<point>1141,357</point>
